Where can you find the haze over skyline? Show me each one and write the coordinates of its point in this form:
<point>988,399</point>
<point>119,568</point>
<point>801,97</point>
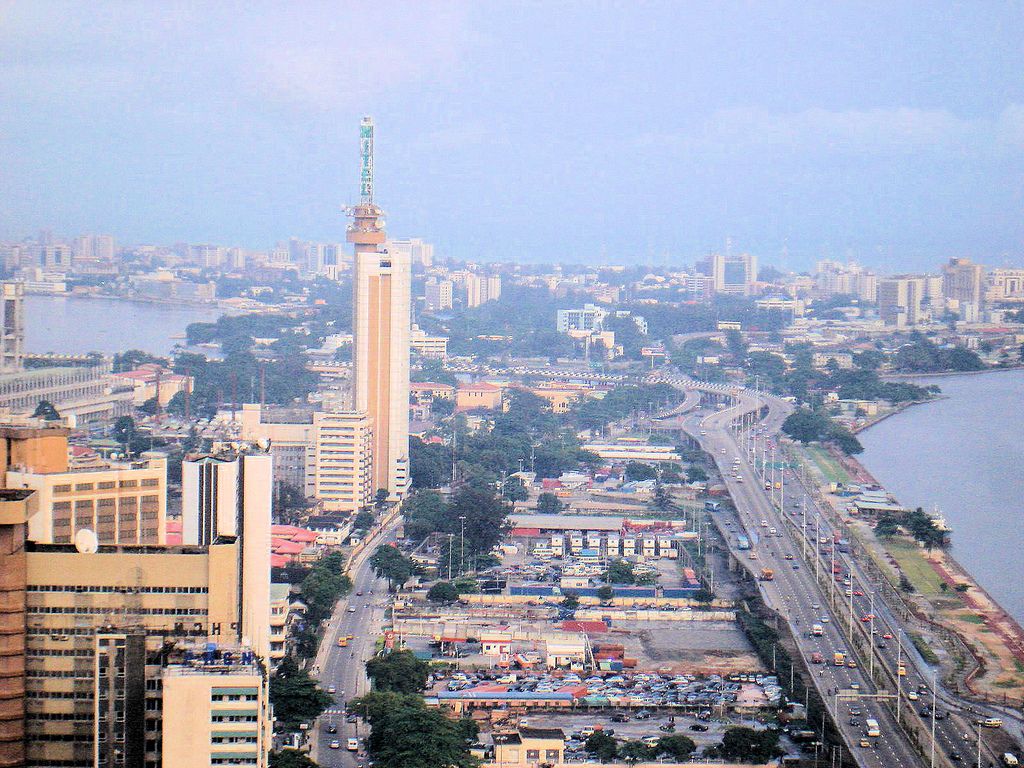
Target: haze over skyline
<point>892,133</point>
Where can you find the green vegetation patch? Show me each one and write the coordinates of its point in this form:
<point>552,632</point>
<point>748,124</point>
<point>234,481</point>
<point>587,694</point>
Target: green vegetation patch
<point>923,648</point>
<point>918,570</point>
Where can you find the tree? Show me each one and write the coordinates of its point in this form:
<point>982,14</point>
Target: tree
<point>634,752</point>
<point>388,563</point>
<point>443,592</point>
<point>638,471</point>
<point>380,498</point>
<point>364,520</point>
<point>549,504</point>
<point>749,745</point>
<point>151,407</point>
<point>887,525</point>
<point>424,512</point>
<point>405,733</point>
<point>571,601</point>
<point>605,593</point>
<point>295,695</point>
<point>289,758</point>
<point>124,430</point>
<point>662,498</point>
<point>619,572</point>
<point>430,464</point>
<point>602,746</point>
<point>695,474</point>
<point>398,672</point>
<point>46,411</point>
<point>703,595</point>
<point>515,490</point>
<point>677,746</point>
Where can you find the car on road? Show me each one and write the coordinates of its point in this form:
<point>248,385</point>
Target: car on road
<point>865,743</point>
<point>352,745</point>
<point>854,721</point>
<point>351,609</point>
<point>332,728</point>
<point>913,695</point>
<point>788,556</point>
<point>699,727</point>
<point>335,744</point>
<point>331,689</point>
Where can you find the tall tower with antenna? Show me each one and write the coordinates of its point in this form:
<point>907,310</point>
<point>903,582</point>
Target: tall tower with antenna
<point>381,319</point>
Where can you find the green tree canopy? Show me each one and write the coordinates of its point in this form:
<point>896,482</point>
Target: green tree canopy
<point>549,504</point>
<point>295,695</point>
<point>405,733</point>
<point>443,592</point>
<point>602,746</point>
<point>398,672</point>
<point>388,563</point>
<point>677,746</point>
<point>619,572</point>
<point>46,411</point>
<point>750,745</point>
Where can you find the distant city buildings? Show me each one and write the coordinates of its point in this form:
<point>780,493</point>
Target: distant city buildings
<point>439,294</point>
<point>12,338</point>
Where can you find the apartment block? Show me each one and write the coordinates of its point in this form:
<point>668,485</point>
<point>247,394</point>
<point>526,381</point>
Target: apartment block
<point>438,294</point>
<point>434,347</point>
<point>215,712</point>
<point>344,477</point>
<point>962,281</point>
<point>1005,285</point>
<point>123,502</point>
<point>289,436</point>
<point>82,394</point>
<point>12,337</point>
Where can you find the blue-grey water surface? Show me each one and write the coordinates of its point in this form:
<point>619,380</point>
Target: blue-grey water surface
<point>77,325</point>
<point>964,454</point>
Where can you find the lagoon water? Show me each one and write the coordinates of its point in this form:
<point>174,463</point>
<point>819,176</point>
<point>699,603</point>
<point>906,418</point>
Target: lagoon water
<point>965,455</point>
<point>77,325</point>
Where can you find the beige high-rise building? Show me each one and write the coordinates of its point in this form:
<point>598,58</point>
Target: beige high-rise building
<point>344,477</point>
<point>904,300</point>
<point>122,502</point>
<point>963,282</point>
<point>12,338</point>
<point>1005,285</point>
<point>381,320</point>
<point>119,656</point>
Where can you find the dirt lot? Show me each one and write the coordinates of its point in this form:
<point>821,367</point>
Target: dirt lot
<point>703,647</point>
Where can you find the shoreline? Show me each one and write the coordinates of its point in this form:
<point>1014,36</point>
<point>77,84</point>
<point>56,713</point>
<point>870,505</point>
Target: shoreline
<point>940,374</point>
<point>953,572</point>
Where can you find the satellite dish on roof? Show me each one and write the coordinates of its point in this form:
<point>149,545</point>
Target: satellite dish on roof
<point>86,542</point>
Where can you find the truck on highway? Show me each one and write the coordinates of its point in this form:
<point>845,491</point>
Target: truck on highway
<point>352,745</point>
<point>817,630</point>
<point>839,659</point>
<point>871,728</point>
<point>767,574</point>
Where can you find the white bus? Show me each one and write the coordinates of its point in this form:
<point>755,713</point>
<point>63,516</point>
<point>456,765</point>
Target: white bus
<point>871,727</point>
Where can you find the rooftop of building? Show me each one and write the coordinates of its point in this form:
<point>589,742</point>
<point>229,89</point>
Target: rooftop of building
<point>568,522</point>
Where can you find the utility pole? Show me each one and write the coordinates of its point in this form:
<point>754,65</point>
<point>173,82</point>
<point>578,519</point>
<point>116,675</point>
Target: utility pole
<point>462,552</point>
<point>451,537</point>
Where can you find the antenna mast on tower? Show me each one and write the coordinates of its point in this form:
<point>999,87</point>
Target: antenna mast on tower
<point>366,160</point>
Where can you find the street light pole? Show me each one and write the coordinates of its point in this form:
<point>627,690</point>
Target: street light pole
<point>462,549</point>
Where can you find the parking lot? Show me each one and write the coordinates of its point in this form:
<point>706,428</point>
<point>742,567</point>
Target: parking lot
<point>635,690</point>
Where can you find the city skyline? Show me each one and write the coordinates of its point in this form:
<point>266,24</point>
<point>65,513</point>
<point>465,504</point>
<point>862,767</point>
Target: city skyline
<point>514,134</point>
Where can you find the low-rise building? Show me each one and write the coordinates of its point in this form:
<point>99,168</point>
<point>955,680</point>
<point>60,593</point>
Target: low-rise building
<point>529,747</point>
<point>479,396</point>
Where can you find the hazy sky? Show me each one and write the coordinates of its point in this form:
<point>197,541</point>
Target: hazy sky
<point>893,132</point>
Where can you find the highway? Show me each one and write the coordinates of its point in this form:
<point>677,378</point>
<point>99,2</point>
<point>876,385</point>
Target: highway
<point>359,616</point>
<point>794,592</point>
<point>862,598</point>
